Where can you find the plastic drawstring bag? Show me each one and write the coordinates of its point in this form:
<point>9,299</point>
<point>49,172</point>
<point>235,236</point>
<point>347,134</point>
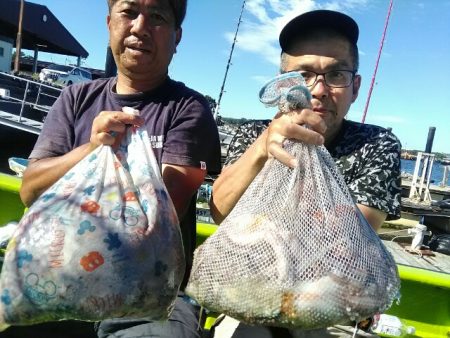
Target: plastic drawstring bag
<point>295,251</point>
<point>102,242</point>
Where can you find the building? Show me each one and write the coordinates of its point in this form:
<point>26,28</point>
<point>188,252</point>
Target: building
<point>6,47</point>
<point>41,31</point>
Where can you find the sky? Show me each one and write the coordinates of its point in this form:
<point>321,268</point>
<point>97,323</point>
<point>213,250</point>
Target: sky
<point>411,91</point>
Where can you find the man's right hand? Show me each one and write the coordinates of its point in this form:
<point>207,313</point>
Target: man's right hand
<point>109,127</point>
<point>235,179</point>
<point>42,173</point>
<point>292,126</point>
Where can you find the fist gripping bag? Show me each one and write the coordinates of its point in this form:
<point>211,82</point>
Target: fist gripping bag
<point>295,250</point>
<point>102,242</point>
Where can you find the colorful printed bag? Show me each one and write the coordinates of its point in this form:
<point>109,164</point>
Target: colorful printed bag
<point>102,242</point>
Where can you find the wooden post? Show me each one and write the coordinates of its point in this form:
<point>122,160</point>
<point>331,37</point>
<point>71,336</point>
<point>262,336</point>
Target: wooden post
<point>19,39</point>
<point>445,176</point>
<point>420,185</point>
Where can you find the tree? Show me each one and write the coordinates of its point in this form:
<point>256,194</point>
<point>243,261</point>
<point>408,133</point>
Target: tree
<point>22,55</point>
<point>212,103</point>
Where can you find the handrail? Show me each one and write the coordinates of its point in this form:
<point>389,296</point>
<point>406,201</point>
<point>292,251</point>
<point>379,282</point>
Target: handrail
<point>35,82</point>
<point>17,119</point>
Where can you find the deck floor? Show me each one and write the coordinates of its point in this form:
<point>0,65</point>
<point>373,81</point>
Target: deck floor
<point>436,261</point>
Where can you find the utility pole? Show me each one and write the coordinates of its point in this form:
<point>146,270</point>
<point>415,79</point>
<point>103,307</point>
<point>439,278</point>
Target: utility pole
<point>19,39</point>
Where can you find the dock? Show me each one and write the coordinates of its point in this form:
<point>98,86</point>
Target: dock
<point>433,261</point>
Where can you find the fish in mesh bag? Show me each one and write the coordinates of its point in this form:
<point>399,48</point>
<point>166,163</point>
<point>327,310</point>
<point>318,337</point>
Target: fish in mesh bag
<point>295,251</point>
<point>103,242</point>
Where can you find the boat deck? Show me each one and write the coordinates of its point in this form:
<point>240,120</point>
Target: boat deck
<point>425,290</point>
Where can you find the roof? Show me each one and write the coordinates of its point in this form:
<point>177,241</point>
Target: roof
<point>39,27</point>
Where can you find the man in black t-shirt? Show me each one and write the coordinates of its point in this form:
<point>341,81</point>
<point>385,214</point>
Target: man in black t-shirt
<point>144,35</point>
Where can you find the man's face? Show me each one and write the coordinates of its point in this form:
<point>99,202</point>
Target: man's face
<point>322,54</point>
<point>143,37</point>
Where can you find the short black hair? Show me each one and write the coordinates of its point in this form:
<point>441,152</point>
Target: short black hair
<point>178,9</point>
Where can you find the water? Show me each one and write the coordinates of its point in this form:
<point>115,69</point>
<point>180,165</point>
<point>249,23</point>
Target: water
<point>436,175</point>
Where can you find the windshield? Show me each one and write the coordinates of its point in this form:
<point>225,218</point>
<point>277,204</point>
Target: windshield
<point>61,68</point>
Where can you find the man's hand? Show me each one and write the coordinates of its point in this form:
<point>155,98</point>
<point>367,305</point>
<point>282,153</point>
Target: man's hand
<point>41,174</point>
<point>109,127</point>
<point>292,126</point>
<point>235,179</point>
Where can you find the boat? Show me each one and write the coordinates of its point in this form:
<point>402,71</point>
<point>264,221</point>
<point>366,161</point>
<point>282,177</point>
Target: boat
<point>425,282</point>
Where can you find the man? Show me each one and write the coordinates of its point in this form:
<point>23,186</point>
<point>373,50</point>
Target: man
<point>322,46</point>
<point>143,37</point>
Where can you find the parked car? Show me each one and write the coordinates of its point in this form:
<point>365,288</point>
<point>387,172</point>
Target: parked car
<point>64,75</point>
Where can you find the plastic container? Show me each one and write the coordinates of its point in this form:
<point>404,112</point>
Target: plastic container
<point>391,326</point>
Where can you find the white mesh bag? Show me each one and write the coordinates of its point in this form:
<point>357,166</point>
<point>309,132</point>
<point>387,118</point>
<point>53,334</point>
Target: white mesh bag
<point>295,251</point>
<point>102,242</point>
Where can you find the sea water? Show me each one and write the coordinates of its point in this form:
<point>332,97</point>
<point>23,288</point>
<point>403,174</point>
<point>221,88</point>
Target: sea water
<point>437,173</point>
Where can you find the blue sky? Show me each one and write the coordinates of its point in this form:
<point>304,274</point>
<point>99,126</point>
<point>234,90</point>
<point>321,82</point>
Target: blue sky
<point>412,86</point>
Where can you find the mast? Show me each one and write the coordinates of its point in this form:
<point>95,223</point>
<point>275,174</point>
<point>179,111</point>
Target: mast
<point>222,89</point>
<point>377,62</point>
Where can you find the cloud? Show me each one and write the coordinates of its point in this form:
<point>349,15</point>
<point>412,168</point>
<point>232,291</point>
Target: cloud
<point>261,78</point>
<point>263,20</point>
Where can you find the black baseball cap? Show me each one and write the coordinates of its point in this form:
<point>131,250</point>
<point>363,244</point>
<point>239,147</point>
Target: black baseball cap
<point>310,21</point>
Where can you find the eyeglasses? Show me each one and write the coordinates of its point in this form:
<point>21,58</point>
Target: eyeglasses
<point>333,78</point>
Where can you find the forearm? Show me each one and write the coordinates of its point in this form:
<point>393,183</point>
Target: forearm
<point>235,179</point>
<point>43,173</point>
<point>182,182</point>
<point>373,216</point>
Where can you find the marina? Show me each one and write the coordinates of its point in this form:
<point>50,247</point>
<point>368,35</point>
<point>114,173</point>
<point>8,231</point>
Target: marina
<point>425,273</point>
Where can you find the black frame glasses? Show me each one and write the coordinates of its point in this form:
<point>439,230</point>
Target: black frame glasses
<point>336,78</point>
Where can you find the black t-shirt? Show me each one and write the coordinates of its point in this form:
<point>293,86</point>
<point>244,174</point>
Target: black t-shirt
<point>179,123</point>
<point>368,157</point>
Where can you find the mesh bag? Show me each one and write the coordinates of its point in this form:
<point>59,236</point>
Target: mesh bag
<point>102,242</point>
<point>295,251</point>
<point>287,91</point>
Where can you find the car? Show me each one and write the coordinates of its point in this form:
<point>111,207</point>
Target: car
<point>64,75</point>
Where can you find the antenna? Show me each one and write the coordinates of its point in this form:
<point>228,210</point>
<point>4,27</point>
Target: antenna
<point>378,60</point>
<point>216,112</point>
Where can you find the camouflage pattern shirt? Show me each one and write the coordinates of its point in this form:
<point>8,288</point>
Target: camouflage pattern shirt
<point>368,157</point>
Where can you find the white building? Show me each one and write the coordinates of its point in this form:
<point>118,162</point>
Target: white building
<point>6,47</point>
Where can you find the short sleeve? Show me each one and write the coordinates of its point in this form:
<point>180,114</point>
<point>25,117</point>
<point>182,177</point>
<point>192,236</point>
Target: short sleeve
<point>376,183</point>
<point>245,135</point>
<point>56,137</point>
<point>193,138</point>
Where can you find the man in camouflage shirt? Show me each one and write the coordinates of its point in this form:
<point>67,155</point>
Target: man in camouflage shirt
<point>322,47</point>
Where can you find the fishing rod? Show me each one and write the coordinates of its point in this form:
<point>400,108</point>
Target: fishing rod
<point>216,112</point>
<point>377,62</point>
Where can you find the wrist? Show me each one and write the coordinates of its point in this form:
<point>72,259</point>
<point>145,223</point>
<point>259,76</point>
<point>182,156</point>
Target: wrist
<point>90,147</point>
<point>260,148</point>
